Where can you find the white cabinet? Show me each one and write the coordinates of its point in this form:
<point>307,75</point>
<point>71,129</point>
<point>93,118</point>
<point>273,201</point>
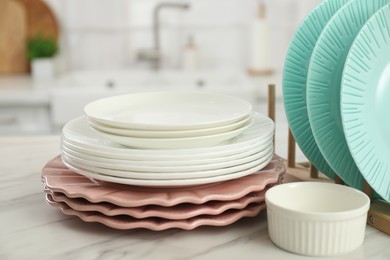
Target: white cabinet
<point>24,108</point>
<point>18,120</point>
<point>29,109</point>
<point>75,90</point>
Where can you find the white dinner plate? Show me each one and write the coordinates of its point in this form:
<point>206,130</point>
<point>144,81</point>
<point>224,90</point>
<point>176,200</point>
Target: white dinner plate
<point>77,133</point>
<point>173,143</point>
<point>185,158</point>
<point>255,160</point>
<point>157,171</point>
<point>170,134</point>
<point>168,110</point>
<point>157,162</point>
<point>169,183</point>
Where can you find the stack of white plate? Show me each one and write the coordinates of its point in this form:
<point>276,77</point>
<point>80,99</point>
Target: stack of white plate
<point>168,139</point>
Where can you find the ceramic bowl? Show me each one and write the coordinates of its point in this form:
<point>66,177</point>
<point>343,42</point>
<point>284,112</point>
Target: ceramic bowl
<point>316,219</point>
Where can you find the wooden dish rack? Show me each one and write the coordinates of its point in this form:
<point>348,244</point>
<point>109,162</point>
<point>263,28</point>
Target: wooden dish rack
<point>379,212</point>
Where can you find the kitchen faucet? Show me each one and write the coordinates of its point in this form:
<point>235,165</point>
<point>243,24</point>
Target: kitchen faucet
<point>154,55</point>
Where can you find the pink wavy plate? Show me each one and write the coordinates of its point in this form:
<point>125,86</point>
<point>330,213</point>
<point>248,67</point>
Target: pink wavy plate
<point>60,179</point>
<point>180,211</point>
<point>157,224</point>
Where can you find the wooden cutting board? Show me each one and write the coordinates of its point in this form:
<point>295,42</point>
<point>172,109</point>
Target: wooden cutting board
<point>19,20</point>
<point>40,19</point>
<point>13,28</point>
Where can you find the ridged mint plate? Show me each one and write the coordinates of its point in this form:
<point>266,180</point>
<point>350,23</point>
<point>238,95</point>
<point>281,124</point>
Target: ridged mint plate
<point>324,83</point>
<point>294,80</point>
<point>365,106</point>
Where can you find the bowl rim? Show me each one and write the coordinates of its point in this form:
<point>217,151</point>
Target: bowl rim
<point>322,216</point>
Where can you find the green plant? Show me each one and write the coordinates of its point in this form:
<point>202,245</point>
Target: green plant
<point>41,47</point>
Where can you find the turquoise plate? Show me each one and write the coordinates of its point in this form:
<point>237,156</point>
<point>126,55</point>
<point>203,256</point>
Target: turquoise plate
<point>365,106</point>
<point>324,83</point>
<point>294,80</point>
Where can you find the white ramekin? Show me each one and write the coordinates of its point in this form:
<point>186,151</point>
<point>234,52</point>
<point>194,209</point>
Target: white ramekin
<point>316,219</point>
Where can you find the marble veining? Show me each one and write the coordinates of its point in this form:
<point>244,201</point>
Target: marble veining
<point>31,229</point>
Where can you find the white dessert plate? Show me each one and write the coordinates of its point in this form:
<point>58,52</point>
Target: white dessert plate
<point>173,143</point>
<point>168,110</point>
<point>170,182</point>
<point>157,162</point>
<point>170,134</point>
<point>77,133</point>
<point>179,172</point>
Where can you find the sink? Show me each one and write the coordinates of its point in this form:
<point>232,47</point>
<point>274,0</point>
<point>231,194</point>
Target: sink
<point>72,91</point>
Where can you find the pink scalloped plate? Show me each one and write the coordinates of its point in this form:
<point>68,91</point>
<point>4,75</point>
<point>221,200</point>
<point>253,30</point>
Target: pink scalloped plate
<point>178,212</point>
<point>58,178</point>
<point>126,222</point>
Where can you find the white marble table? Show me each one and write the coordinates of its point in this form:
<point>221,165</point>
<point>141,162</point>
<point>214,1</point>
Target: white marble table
<point>31,229</point>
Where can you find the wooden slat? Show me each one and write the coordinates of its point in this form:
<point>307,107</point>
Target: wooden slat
<point>271,101</point>
<point>313,171</point>
<point>291,150</point>
<point>12,38</point>
<point>379,216</point>
<point>367,189</point>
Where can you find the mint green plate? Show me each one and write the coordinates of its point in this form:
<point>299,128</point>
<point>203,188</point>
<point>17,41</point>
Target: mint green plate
<point>365,101</point>
<point>294,80</point>
<point>324,83</point>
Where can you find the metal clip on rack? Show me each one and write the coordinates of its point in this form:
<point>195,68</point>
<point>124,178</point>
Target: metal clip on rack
<point>379,212</point>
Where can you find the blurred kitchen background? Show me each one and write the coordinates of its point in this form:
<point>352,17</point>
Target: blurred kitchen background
<point>58,55</point>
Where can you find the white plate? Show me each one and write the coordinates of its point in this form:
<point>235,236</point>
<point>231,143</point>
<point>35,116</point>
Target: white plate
<point>157,162</point>
<point>173,143</point>
<point>170,134</point>
<point>169,183</point>
<point>77,133</point>
<point>258,159</point>
<point>185,158</point>
<point>155,172</point>
<point>168,110</point>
